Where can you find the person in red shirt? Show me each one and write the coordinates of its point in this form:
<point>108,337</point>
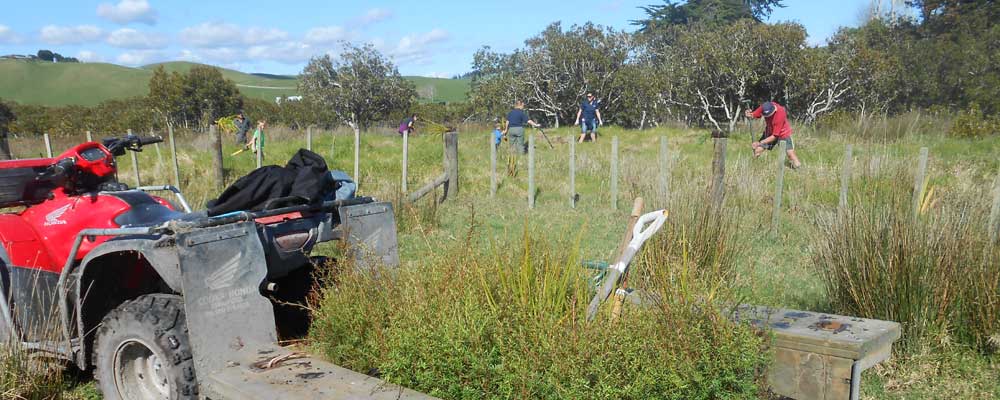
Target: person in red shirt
<point>776,129</point>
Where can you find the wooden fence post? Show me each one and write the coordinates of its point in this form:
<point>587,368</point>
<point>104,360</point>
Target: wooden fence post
<point>493,165</point>
<point>845,177</point>
<point>220,175</point>
<point>614,173</point>
<point>48,145</point>
<point>357,156</point>
<point>664,171</point>
<point>776,213</point>
<point>718,172</point>
<point>406,159</point>
<point>159,156</point>
<point>531,170</point>
<point>451,163</point>
<point>918,181</point>
<point>5,153</point>
<point>135,164</point>
<point>995,211</point>
<point>309,138</point>
<point>259,154</point>
<point>333,147</point>
<point>90,137</point>
<point>173,155</point>
<point>572,172</point>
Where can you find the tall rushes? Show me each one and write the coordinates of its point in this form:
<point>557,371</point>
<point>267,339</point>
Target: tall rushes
<point>935,272</point>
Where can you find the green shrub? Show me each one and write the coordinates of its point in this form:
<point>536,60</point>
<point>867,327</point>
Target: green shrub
<point>935,273</point>
<point>973,124</point>
<point>510,324</point>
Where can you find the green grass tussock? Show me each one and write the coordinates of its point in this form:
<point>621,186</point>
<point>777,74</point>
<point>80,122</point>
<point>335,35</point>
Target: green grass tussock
<point>23,377</point>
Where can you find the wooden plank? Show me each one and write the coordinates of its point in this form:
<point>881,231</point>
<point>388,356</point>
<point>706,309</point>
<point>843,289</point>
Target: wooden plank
<point>420,193</point>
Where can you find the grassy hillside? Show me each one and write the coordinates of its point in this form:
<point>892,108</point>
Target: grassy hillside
<point>88,84</point>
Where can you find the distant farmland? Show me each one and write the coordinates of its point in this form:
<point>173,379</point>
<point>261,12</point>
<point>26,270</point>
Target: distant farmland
<point>87,84</point>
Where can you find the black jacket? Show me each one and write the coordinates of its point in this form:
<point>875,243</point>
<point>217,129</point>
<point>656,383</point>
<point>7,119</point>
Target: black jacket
<point>303,176</point>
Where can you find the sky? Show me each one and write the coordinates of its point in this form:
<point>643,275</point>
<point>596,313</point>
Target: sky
<point>426,38</point>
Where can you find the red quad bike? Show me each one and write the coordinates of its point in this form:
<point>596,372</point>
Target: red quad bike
<point>165,303</point>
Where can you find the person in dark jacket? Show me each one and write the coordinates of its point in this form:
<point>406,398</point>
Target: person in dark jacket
<point>242,127</point>
<point>589,118</point>
<point>514,127</point>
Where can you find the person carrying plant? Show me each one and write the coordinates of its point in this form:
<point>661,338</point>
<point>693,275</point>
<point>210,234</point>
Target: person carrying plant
<point>591,118</point>
<point>514,127</point>
<point>242,126</point>
<point>408,125</point>
<point>776,129</point>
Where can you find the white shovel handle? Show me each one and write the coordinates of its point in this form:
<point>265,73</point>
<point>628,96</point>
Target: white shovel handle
<point>646,226</point>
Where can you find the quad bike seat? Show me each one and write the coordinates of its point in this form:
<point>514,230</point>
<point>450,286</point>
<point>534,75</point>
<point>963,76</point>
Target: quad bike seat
<point>145,211</point>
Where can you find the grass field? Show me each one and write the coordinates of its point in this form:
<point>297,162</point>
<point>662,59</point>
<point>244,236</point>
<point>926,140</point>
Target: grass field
<point>775,269</point>
<point>88,84</point>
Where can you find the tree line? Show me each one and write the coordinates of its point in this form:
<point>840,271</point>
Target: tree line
<point>703,63</point>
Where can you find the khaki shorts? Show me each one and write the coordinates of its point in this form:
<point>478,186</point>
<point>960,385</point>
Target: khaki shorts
<point>515,135</point>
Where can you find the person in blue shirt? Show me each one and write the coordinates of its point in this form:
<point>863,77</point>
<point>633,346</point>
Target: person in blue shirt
<point>516,120</point>
<point>497,135</point>
<point>589,118</point>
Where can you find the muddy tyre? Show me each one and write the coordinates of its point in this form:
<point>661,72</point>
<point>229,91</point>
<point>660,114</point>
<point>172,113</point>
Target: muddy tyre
<point>143,352</point>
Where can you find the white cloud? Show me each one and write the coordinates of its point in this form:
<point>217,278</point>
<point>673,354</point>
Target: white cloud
<point>188,55</point>
<point>52,34</point>
<point>89,56</point>
<point>141,57</point>
<point>285,52</point>
<point>375,15</point>
<point>8,35</point>
<point>127,11</point>
<point>223,34</point>
<point>416,48</point>
<point>327,35</point>
<point>128,38</point>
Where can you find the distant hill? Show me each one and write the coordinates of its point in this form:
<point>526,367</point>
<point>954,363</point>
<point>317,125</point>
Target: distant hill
<point>87,84</point>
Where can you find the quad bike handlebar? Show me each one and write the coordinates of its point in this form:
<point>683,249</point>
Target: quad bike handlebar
<point>118,145</point>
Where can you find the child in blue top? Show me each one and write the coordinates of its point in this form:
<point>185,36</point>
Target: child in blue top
<point>497,135</point>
